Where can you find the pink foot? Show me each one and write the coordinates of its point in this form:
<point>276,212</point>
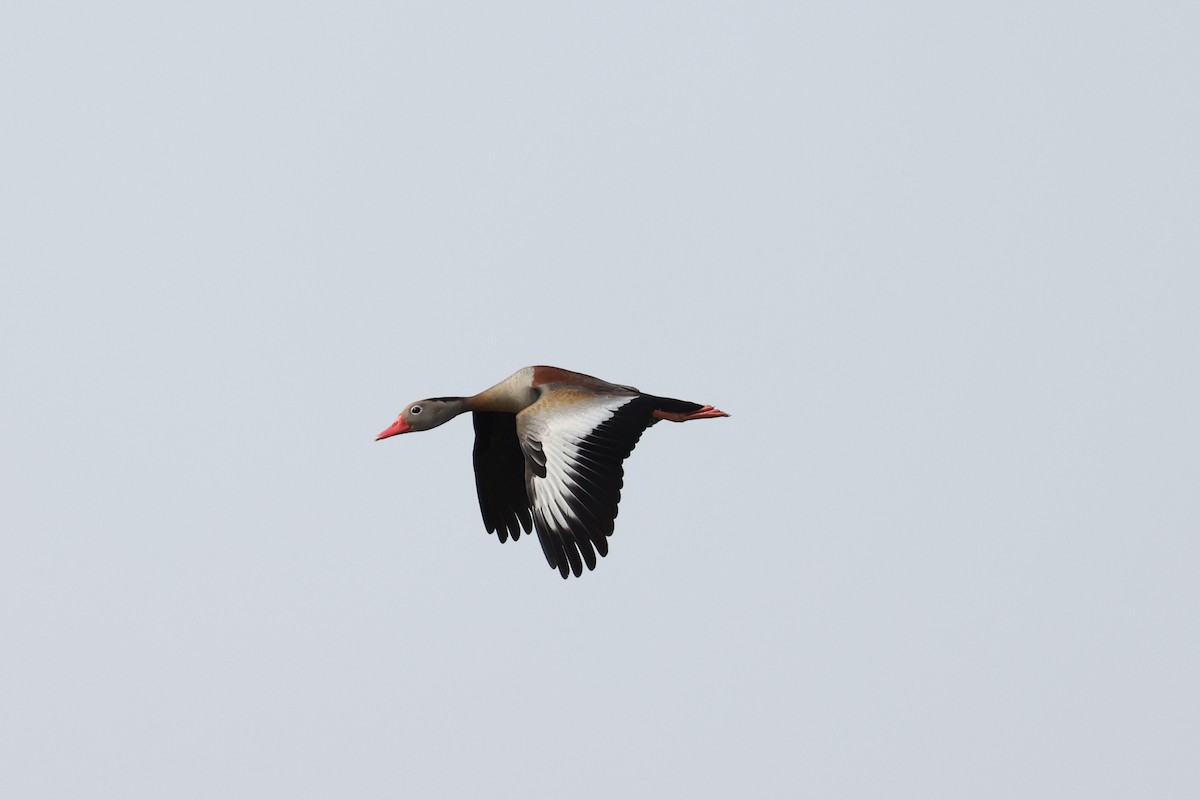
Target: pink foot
<point>708,412</point>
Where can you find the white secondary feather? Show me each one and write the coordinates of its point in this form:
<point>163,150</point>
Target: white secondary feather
<point>560,429</point>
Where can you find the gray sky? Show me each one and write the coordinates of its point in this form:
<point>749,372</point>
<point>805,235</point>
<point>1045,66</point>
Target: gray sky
<point>938,260</point>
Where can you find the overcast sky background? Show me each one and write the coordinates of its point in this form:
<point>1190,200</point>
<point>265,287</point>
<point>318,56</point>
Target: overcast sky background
<point>939,260</point>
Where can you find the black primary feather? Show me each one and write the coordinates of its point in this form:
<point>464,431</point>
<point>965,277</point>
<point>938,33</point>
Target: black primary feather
<point>500,475</point>
<point>596,478</point>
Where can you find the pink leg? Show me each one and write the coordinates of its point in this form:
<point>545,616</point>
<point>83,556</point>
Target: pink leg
<point>708,412</point>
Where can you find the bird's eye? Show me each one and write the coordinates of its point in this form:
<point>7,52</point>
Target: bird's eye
<point>415,410</point>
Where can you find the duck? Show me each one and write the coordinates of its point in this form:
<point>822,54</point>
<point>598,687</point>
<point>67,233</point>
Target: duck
<point>549,451</point>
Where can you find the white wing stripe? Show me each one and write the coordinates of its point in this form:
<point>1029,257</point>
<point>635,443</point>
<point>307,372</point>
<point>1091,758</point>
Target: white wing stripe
<point>560,432</point>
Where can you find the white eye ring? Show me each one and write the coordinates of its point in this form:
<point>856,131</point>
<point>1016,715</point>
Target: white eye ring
<point>415,410</point>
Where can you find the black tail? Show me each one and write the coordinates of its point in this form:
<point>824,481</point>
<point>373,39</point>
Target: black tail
<point>673,406</point>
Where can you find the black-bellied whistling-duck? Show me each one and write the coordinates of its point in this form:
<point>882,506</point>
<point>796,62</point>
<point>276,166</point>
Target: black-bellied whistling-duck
<point>548,450</point>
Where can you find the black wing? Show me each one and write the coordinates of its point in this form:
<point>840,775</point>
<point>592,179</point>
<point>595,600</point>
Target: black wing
<point>500,475</point>
<point>575,475</point>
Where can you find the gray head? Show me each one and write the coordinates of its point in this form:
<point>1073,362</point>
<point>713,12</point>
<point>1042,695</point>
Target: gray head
<point>425,414</point>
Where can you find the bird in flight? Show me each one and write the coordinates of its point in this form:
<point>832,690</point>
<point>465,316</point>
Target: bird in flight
<point>549,444</point>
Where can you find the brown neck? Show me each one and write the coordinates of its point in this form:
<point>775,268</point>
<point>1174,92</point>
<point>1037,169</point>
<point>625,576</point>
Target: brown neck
<point>511,395</point>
